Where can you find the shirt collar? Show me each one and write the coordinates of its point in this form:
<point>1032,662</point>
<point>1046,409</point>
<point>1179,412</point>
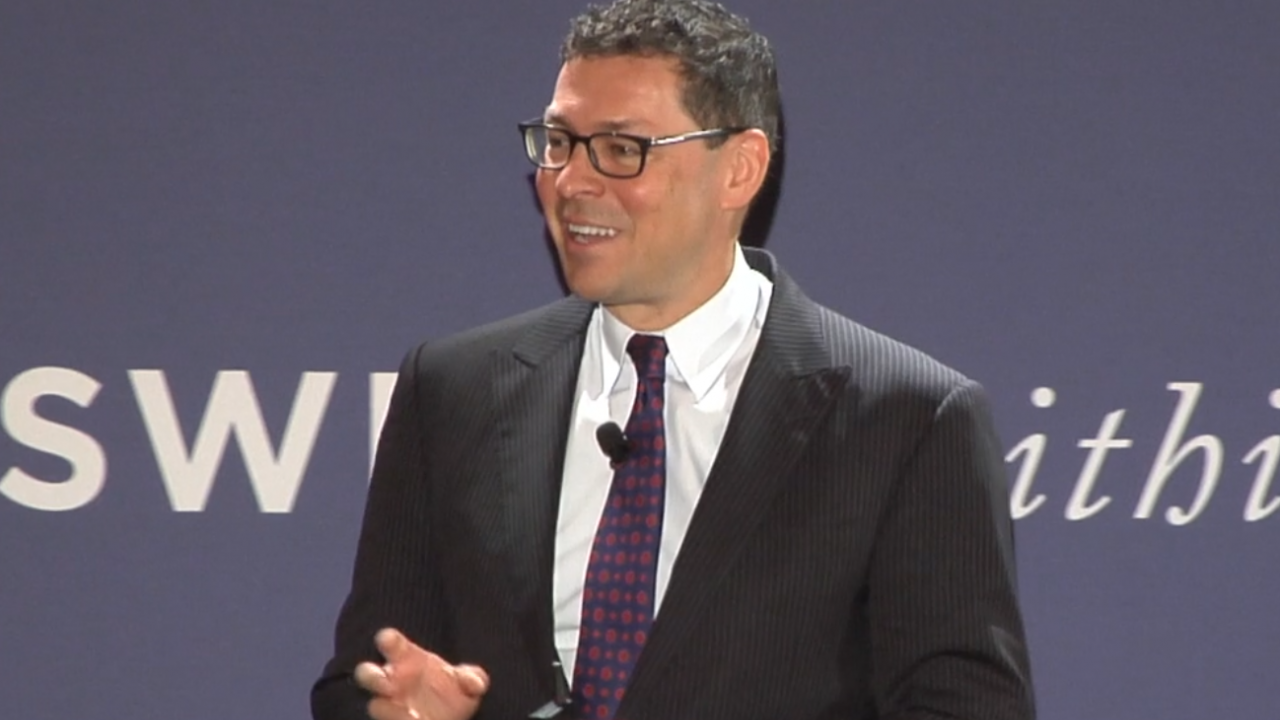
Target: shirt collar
<point>699,345</point>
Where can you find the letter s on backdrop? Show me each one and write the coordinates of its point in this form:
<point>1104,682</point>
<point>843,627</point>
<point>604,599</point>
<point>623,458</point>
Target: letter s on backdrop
<point>19,418</point>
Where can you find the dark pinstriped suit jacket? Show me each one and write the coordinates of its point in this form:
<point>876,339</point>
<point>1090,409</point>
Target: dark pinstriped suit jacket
<point>851,555</point>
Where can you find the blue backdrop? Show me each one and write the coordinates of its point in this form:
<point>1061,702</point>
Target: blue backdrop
<point>220,221</point>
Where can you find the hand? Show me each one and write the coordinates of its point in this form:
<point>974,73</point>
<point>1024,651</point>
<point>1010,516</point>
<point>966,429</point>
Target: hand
<point>418,685</point>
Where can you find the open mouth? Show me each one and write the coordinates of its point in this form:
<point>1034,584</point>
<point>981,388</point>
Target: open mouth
<point>586,234</point>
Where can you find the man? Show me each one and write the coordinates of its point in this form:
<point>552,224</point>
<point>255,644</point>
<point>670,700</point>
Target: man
<point>802,518</point>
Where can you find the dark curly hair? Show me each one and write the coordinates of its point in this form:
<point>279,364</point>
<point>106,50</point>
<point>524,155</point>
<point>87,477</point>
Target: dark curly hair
<point>730,78</point>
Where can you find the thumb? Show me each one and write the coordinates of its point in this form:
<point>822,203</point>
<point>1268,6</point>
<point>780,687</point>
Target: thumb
<point>472,679</point>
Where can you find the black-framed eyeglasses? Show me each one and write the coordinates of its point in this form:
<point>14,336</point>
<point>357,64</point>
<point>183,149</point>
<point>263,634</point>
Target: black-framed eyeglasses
<point>614,154</point>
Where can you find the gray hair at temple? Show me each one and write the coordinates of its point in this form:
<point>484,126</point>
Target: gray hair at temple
<point>730,77</point>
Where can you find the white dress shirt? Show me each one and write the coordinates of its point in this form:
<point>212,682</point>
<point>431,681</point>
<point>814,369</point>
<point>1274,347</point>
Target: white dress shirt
<point>707,355</point>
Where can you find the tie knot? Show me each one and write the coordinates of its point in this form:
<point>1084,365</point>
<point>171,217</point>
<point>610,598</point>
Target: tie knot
<point>649,353</point>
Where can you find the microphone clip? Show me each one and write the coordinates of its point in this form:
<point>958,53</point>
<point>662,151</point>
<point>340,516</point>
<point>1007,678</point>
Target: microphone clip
<point>614,444</point>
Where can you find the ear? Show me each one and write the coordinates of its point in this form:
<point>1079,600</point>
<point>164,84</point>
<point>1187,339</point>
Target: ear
<point>747,156</point>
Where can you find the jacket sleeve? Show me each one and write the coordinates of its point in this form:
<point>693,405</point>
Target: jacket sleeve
<point>394,583</point>
<point>947,633</point>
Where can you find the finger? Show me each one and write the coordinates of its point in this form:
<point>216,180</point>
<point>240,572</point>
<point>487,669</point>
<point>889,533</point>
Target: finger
<point>383,709</point>
<point>391,643</point>
<point>472,679</point>
<point>374,678</point>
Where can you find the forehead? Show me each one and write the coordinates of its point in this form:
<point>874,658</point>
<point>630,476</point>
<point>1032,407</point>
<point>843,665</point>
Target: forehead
<point>618,93</point>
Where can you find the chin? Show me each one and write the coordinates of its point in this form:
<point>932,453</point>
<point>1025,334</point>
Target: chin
<point>589,283</point>
<point>591,292</point>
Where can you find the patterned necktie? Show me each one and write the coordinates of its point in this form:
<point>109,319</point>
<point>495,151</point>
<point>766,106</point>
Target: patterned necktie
<point>617,598</point>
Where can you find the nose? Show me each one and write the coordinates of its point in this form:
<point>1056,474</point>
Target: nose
<point>578,176</point>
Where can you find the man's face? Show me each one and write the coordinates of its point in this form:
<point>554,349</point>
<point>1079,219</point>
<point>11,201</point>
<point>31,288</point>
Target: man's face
<point>652,247</point>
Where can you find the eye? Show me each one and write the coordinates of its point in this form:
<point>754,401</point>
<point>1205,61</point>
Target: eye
<point>622,148</point>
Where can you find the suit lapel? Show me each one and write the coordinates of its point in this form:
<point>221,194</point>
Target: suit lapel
<point>788,389</point>
<point>534,388</point>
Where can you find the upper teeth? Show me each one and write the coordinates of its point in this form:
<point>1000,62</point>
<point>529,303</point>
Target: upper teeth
<point>591,230</point>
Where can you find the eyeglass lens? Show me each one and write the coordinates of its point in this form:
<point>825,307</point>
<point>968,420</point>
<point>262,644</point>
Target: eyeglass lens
<point>611,155</point>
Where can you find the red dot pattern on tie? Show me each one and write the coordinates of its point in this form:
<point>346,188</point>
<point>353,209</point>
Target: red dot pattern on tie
<point>617,598</point>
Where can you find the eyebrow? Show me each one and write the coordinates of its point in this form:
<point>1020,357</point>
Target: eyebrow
<point>552,118</point>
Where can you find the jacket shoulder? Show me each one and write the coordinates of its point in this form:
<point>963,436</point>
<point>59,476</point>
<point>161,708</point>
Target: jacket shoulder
<point>467,349</point>
<point>882,364</point>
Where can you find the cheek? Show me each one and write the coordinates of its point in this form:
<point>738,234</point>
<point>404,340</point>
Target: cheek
<point>544,184</point>
<point>665,219</point>
<point>649,208</point>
